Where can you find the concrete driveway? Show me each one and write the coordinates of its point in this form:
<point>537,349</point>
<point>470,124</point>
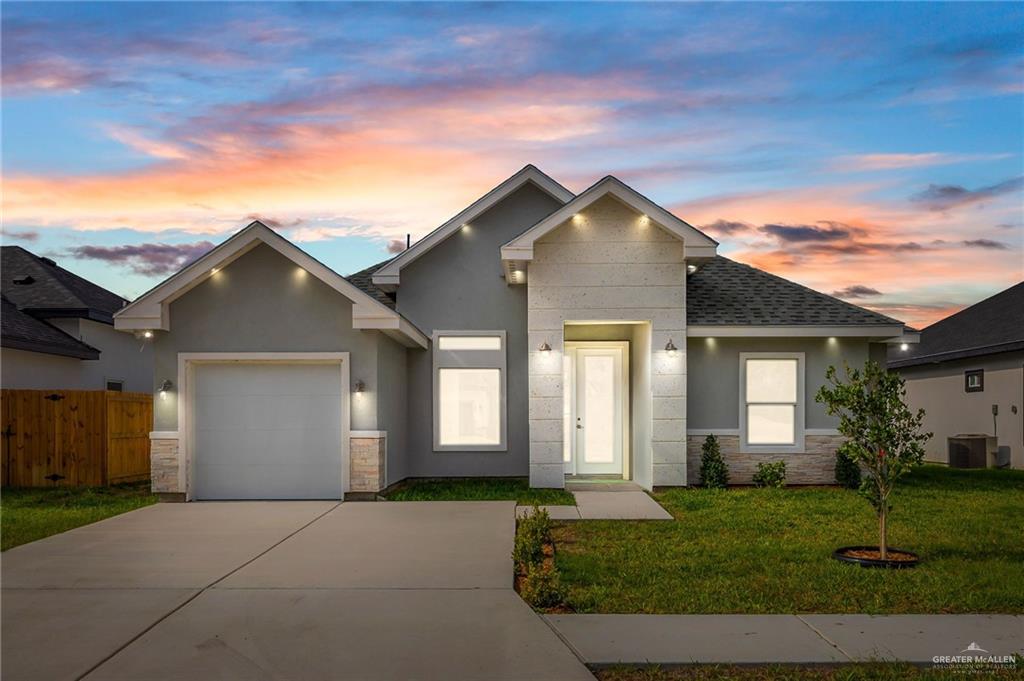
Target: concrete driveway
<point>278,590</point>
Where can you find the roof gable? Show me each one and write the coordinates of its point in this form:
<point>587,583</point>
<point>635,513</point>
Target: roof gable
<point>54,288</point>
<point>698,244</point>
<point>389,275</point>
<point>151,310</point>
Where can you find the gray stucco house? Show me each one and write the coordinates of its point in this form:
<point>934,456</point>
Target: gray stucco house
<point>536,333</point>
<point>58,331</point>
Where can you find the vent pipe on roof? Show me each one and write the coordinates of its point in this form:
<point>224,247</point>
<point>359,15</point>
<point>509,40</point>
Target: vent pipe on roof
<point>408,240</point>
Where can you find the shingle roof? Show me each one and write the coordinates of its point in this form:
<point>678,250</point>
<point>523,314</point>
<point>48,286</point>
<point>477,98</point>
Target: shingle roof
<point>724,292</point>
<point>21,331</point>
<point>362,281</point>
<point>53,288</point>
<point>993,325</point>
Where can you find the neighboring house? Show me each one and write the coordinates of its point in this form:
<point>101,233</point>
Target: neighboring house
<point>58,331</point>
<point>967,373</point>
<point>536,333</point>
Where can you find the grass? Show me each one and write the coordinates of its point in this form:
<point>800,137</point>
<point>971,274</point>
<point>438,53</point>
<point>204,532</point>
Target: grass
<point>480,489</point>
<point>768,551</point>
<point>848,672</point>
<point>28,514</point>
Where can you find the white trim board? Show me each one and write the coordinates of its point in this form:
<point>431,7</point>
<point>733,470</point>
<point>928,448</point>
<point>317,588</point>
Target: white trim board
<point>388,276</point>
<point>520,250</point>
<point>151,310</point>
<point>186,365</point>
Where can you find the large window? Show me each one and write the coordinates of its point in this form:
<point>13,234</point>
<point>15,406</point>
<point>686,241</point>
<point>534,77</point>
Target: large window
<point>469,391</point>
<point>772,401</point>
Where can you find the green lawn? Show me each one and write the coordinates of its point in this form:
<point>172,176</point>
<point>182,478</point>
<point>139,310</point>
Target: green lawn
<point>30,514</point>
<point>846,672</point>
<point>480,489</point>
<point>768,551</point>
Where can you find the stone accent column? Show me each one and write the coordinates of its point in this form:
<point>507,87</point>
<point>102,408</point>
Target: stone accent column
<point>608,264</point>
<point>367,457</point>
<point>165,467</point>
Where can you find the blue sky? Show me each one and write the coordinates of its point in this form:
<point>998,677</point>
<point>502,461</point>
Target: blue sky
<point>869,149</point>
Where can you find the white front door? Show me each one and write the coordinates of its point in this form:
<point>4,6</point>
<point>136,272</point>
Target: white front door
<point>600,411</point>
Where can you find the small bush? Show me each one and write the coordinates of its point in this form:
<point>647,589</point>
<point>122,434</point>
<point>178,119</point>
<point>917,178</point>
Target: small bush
<point>847,470</point>
<point>541,586</point>
<point>713,471</point>
<point>771,474</point>
<point>532,533</point>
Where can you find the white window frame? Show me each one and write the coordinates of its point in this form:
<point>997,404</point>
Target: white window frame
<point>470,359</point>
<point>799,433</point>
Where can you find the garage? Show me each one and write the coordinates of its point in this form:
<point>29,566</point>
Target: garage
<point>268,430</point>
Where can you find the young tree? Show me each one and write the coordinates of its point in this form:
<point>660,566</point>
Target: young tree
<point>882,434</point>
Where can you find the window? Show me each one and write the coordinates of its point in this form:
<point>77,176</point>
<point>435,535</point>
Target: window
<point>772,401</point>
<point>974,381</point>
<point>469,391</point>
<point>115,385</point>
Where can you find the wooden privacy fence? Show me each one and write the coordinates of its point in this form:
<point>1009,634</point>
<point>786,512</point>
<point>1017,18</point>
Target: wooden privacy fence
<point>74,437</point>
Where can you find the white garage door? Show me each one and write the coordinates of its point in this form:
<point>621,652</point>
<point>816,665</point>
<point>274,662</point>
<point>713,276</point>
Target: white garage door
<point>267,431</point>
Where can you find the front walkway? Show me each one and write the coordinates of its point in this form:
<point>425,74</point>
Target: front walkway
<point>785,639</point>
<point>268,590</point>
<point>603,501</point>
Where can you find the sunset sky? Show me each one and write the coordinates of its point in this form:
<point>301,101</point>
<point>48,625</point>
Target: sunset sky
<point>870,151</point>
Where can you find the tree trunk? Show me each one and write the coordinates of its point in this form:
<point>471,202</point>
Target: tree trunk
<point>883,539</point>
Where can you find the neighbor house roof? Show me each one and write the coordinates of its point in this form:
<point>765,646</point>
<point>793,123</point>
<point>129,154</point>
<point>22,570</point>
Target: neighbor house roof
<point>22,331</point>
<point>993,325</point>
<point>724,292</point>
<point>43,288</point>
<point>151,310</point>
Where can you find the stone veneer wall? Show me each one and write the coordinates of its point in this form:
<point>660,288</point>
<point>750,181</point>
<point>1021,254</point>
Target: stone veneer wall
<point>163,466</point>
<point>366,465</point>
<point>815,466</point>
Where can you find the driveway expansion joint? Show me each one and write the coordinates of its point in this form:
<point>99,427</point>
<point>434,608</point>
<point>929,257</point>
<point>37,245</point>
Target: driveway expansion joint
<point>825,638</point>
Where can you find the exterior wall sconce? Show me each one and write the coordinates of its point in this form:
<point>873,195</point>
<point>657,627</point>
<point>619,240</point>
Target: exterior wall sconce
<point>544,347</point>
<point>360,387</point>
<point>671,348</point>
<point>690,269</point>
<point>166,386</point>
<point>904,346</point>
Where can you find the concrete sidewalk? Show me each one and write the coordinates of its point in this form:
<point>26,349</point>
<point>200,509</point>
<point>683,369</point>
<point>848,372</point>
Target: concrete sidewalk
<point>784,639</point>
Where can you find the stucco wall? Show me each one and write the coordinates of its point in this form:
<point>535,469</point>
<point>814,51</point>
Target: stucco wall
<point>714,375</point>
<point>949,410</point>
<point>120,359</point>
<point>263,302</point>
<point>458,285</point>
<point>392,411</point>
<point>608,264</point>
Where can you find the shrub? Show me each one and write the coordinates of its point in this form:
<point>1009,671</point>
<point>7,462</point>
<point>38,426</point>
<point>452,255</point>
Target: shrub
<point>541,586</point>
<point>771,474</point>
<point>713,471</point>
<point>847,470</point>
<point>532,533</point>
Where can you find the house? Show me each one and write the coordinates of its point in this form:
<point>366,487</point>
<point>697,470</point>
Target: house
<point>967,373</point>
<point>58,331</point>
<point>535,333</point>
